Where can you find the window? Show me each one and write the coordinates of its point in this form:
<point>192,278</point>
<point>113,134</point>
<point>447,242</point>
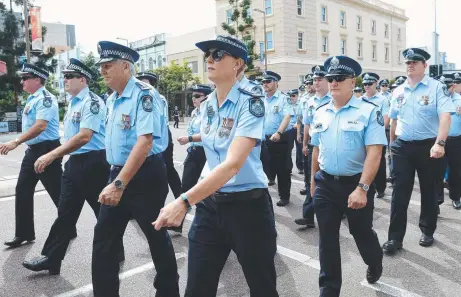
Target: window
<point>373,52</point>
<point>399,34</point>
<point>300,40</point>
<point>268,6</point>
<point>373,27</point>
<point>270,41</point>
<point>229,16</point>
<point>342,18</point>
<point>386,54</point>
<point>151,63</point>
<point>359,23</point>
<point>159,61</point>
<point>300,7</point>
<point>325,44</point>
<point>193,66</point>
<point>324,16</point>
<point>343,46</point>
<point>142,66</point>
<point>359,49</point>
<point>300,79</point>
<point>386,30</point>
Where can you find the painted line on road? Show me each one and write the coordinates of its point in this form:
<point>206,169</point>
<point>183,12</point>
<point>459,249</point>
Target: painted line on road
<point>9,198</point>
<point>388,289</point>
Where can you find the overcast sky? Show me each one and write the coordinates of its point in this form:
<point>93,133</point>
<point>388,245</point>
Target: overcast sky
<point>96,20</point>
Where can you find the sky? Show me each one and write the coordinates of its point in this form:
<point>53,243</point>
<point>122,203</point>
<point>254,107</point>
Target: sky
<point>97,20</point>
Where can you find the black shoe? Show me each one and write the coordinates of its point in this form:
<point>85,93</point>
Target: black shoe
<point>283,202</point>
<point>426,240</point>
<point>374,273</point>
<point>301,171</point>
<point>303,191</point>
<point>304,222</point>
<point>456,204</point>
<point>390,247</point>
<point>43,263</point>
<point>17,241</point>
<point>271,183</point>
<point>380,195</point>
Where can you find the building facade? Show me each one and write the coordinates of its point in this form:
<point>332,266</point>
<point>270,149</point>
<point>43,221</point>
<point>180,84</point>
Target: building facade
<point>59,36</point>
<point>151,52</point>
<point>303,33</point>
<point>63,59</point>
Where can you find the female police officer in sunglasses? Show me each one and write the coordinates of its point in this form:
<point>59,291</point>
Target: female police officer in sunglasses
<point>234,209</point>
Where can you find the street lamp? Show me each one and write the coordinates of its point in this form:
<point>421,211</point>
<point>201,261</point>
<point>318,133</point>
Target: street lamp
<point>123,39</point>
<point>265,36</point>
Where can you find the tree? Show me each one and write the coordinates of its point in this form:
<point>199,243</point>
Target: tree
<point>242,22</point>
<point>97,85</point>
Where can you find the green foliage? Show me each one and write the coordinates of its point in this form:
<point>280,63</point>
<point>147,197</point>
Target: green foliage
<point>97,85</point>
<point>358,82</point>
<point>50,87</point>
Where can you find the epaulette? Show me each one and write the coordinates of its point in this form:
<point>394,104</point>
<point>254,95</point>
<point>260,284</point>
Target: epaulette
<point>143,86</point>
<point>204,99</point>
<point>46,94</point>
<point>321,106</point>
<point>246,92</point>
<point>93,96</point>
<point>363,99</point>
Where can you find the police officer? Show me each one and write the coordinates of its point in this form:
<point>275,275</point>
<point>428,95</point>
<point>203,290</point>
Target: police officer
<point>358,91</point>
<point>164,143</point>
<point>294,107</point>
<point>348,136</point>
<point>420,120</point>
<point>138,182</point>
<point>384,84</point>
<point>321,97</point>
<point>234,210</point>
<point>176,117</point>
<point>86,172</point>
<point>369,81</point>
<point>309,83</point>
<point>275,149</point>
<point>40,126</point>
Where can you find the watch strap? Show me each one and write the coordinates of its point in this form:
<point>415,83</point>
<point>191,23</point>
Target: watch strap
<point>186,201</point>
<point>191,139</point>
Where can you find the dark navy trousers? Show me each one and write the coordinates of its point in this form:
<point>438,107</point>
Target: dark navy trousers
<point>193,166</point>
<point>173,177</point>
<point>308,205</point>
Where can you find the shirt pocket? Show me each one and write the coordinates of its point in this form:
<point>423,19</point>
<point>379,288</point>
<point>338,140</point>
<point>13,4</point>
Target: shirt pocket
<point>125,124</point>
<point>427,105</point>
<point>353,133</point>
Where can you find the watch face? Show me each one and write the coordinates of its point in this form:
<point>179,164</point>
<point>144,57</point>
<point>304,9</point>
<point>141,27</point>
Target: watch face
<point>366,187</point>
<point>118,184</point>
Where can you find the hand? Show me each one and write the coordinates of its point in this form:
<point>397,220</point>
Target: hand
<point>312,189</point>
<point>275,137</point>
<point>305,150</point>
<point>437,151</point>
<point>171,215</point>
<point>5,148</point>
<point>43,162</point>
<point>183,140</point>
<point>110,195</point>
<point>357,199</point>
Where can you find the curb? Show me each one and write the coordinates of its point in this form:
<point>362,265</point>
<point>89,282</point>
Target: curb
<point>8,188</point>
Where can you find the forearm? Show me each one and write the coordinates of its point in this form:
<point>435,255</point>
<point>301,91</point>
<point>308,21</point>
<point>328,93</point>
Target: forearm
<point>33,132</point>
<point>196,138</point>
<point>444,126</point>
<point>392,135</point>
<point>306,135</point>
<point>386,121</point>
<point>284,124</point>
<point>73,144</point>
<point>136,158</point>
<point>371,165</point>
<point>315,163</point>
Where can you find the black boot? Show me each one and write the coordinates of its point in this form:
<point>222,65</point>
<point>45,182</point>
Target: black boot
<point>43,263</point>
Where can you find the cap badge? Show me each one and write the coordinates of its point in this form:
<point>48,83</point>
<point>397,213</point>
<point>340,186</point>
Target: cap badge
<point>410,52</point>
<point>334,62</point>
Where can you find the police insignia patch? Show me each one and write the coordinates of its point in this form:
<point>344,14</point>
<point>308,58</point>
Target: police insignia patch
<point>47,102</point>
<point>94,107</point>
<point>445,90</point>
<point>256,107</point>
<point>380,118</point>
<point>147,103</point>
<point>258,90</point>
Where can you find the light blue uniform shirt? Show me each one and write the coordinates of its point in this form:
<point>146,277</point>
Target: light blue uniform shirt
<point>455,127</point>
<point>293,110</point>
<point>134,113</point>
<point>86,110</point>
<point>276,110</point>
<point>239,115</point>
<point>381,101</point>
<point>342,136</point>
<point>193,127</point>
<point>160,144</point>
<point>417,110</point>
<point>251,86</point>
<point>311,105</point>
<point>41,105</point>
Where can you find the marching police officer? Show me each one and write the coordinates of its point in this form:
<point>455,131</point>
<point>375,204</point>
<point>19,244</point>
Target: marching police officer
<point>294,107</point>
<point>138,182</point>
<point>234,210</point>
<point>85,173</point>
<point>358,91</point>
<point>40,126</point>
<point>348,136</point>
<point>384,84</point>
<point>309,83</point>
<point>164,143</point>
<point>275,150</point>
<point>420,120</point>
<point>321,97</point>
<point>369,82</point>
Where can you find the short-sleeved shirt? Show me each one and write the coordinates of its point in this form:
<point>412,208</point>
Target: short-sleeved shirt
<point>193,127</point>
<point>293,109</point>
<point>161,143</point>
<point>240,115</point>
<point>131,114</point>
<point>342,136</point>
<point>417,109</point>
<point>41,105</point>
<point>276,110</point>
<point>381,101</point>
<point>88,111</point>
<point>455,127</point>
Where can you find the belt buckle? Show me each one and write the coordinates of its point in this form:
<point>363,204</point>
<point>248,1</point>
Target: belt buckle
<point>335,177</point>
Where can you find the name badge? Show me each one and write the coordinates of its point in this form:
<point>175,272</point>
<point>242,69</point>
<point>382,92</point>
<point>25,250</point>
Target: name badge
<point>276,109</point>
<point>226,128</point>
<point>424,100</point>
<point>76,117</point>
<point>126,121</point>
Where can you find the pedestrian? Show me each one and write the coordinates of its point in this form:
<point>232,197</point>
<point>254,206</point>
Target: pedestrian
<point>85,173</point>
<point>138,184</point>
<point>275,148</point>
<point>294,107</point>
<point>165,143</point>
<point>234,210</point>
<point>176,117</point>
<point>348,136</point>
<point>321,97</point>
<point>369,81</point>
<point>420,120</point>
<point>40,126</point>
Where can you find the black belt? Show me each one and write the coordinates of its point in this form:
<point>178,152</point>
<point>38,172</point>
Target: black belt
<point>454,137</point>
<point>89,154</point>
<point>230,197</point>
<point>351,178</point>
<point>44,144</point>
<point>119,168</point>
<point>417,142</point>
<point>195,147</point>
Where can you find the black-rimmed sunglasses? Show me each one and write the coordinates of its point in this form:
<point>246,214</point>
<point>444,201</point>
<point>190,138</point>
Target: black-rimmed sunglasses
<point>384,86</point>
<point>337,78</point>
<point>367,84</point>
<point>267,81</point>
<point>27,77</point>
<point>196,96</point>
<point>71,76</point>
<point>217,55</point>
<point>293,95</point>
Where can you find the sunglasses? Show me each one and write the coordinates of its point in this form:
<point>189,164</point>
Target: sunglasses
<point>196,96</point>
<point>266,81</point>
<point>338,78</point>
<point>368,84</point>
<point>217,55</point>
<point>292,95</point>
<point>385,86</point>
<point>71,76</point>
<point>27,77</point>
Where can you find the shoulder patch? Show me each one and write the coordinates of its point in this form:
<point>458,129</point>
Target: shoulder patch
<point>445,90</point>
<point>379,117</point>
<point>94,107</point>
<point>143,86</point>
<point>47,101</point>
<point>366,100</point>
<point>321,106</point>
<point>146,102</point>
<point>246,92</point>
<point>256,107</point>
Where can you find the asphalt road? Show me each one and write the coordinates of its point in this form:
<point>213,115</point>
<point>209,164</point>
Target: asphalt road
<point>415,271</point>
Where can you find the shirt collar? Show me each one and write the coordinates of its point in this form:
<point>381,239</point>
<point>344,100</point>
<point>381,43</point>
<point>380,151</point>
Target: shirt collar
<point>38,92</point>
<point>276,94</point>
<point>232,96</point>
<point>327,95</point>
<point>83,93</point>
<point>128,91</point>
<point>424,81</point>
<point>244,80</point>
<point>353,102</point>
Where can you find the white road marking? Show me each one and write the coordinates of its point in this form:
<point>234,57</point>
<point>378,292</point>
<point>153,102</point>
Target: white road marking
<point>10,176</point>
<point>389,290</point>
<point>39,193</point>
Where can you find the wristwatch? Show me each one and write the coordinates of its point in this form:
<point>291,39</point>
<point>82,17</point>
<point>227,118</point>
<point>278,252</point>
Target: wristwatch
<point>186,201</point>
<point>364,187</point>
<point>191,139</point>
<point>441,143</point>
<point>279,133</point>
<point>17,141</point>
<point>119,185</point>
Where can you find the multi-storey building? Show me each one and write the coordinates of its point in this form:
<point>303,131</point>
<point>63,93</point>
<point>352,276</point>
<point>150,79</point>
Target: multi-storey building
<point>59,36</point>
<point>303,33</point>
<point>151,52</point>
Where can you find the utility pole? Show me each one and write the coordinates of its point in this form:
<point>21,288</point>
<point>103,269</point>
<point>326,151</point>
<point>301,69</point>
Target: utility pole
<point>26,29</point>
<point>265,37</point>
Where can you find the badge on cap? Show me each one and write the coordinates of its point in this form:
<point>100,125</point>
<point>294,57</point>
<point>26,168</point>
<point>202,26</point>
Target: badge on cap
<point>94,107</point>
<point>457,75</point>
<point>410,52</point>
<point>366,76</point>
<point>334,62</point>
<point>317,68</point>
<point>147,103</point>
